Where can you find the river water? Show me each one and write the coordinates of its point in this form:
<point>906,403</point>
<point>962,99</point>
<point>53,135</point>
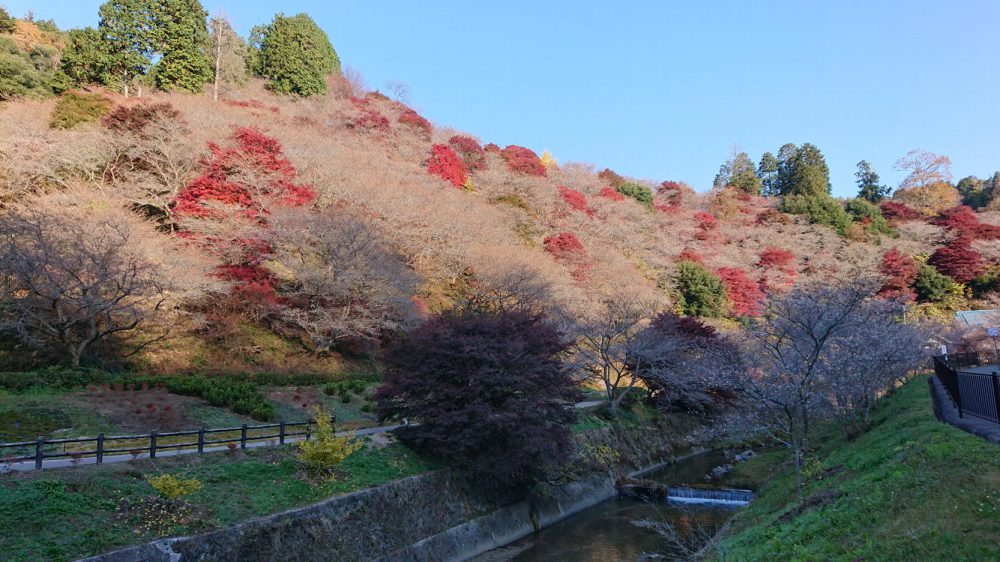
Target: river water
<point>606,533</point>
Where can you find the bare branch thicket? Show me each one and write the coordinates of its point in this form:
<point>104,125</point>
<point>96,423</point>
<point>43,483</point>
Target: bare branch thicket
<point>151,165</point>
<point>33,160</point>
<point>79,268</point>
<point>398,90</point>
<point>818,350</point>
<point>338,283</point>
<point>611,343</point>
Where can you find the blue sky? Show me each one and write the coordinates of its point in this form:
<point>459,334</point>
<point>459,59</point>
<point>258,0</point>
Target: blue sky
<point>664,90</point>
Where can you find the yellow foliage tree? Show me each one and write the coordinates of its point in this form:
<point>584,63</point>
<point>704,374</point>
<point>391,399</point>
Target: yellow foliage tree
<point>325,450</point>
<point>548,160</point>
<point>930,198</point>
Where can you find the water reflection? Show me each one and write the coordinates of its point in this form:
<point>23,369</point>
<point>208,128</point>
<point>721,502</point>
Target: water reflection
<point>607,533</point>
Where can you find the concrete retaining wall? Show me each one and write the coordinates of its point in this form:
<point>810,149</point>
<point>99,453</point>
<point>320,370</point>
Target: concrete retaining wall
<point>419,519</point>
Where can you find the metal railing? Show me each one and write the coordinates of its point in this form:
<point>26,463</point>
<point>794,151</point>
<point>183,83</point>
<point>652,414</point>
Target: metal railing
<point>973,392</point>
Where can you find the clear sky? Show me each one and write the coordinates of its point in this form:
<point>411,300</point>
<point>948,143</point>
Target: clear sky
<point>664,90</point>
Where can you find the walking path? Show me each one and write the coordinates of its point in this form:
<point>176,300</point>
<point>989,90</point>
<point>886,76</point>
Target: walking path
<point>946,411</point>
<point>25,466</point>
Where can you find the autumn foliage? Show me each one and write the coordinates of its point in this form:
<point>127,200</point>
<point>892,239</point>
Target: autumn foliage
<point>958,260</point>
<point>576,200</point>
<point>900,271</point>
<point>609,193</point>
<point>415,120</point>
<point>472,155</point>
<point>896,212</point>
<point>707,225</point>
<point>776,258</point>
<point>744,294</point>
<point>523,160</point>
<point>445,164</point>
<point>962,220</point>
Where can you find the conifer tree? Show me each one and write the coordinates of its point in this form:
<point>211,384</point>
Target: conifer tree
<point>294,54</point>
<point>182,37</point>
<point>127,26</point>
<point>86,58</point>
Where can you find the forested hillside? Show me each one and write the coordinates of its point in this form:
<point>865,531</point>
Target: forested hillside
<point>244,204</point>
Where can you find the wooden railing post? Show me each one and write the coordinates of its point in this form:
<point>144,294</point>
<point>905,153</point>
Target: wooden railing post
<point>281,433</point>
<point>152,444</point>
<point>39,452</point>
<point>243,437</point>
<point>201,439</point>
<point>100,448</point>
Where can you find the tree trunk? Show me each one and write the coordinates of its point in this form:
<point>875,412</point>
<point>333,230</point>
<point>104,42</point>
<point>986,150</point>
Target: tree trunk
<point>218,62</point>
<point>798,475</point>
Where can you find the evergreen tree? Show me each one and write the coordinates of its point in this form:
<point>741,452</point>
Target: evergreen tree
<point>228,57</point>
<point>738,172</point>
<point>182,37</point>
<point>127,26</point>
<point>7,24</point>
<point>701,291</point>
<point>767,172</point>
<point>295,55</point>
<point>807,173</point>
<point>973,193</point>
<point>86,58</point>
<point>868,186</point>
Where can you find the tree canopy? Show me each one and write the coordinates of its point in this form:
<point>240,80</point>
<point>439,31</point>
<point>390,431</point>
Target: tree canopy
<point>294,54</point>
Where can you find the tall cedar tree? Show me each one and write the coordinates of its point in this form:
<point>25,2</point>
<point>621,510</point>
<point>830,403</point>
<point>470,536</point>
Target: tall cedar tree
<point>490,393</point>
<point>294,54</point>
<point>183,41</point>
<point>868,183</point>
<point>738,172</point>
<point>126,27</point>
<point>86,59</point>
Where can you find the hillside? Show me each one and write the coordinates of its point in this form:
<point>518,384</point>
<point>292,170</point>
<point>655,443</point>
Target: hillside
<point>911,488</point>
<point>561,225</point>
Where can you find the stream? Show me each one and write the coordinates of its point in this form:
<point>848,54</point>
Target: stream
<point>606,533</point>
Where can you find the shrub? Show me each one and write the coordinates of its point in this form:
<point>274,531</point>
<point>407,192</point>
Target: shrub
<point>370,119</point>
<point>609,175</point>
<point>636,191</point>
<point>171,487</point>
<point>75,108</point>
<point>896,212</point>
<point>965,222</point>
<point>690,255</point>
<point>325,451</point>
<point>609,193</point>
<point>414,119</point>
<point>900,272</point>
<point>445,164</point>
<point>492,147</point>
<point>472,155</point>
<point>575,200</point>
<point>930,285</point>
<point>771,216</point>
<point>820,209</point>
<point>701,292</point>
<point>564,245</point>
<point>548,160</point>
<point>460,369</point>
<point>707,225</point>
<point>744,293</point>
<point>778,258</point>
<point>136,118</point>
<point>523,160</point>
<point>958,260</point>
<point>868,215</point>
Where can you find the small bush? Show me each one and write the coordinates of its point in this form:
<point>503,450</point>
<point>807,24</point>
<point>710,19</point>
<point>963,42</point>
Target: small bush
<point>76,108</point>
<point>415,120</point>
<point>701,292</point>
<point>778,258</point>
<point>896,212</point>
<point>744,293</point>
<point>958,260</point>
<point>523,160</point>
<point>869,216</point>
<point>609,193</point>
<point>930,285</point>
<point>639,192</point>
<point>325,451</point>
<point>171,487</point>
<point>576,200</point>
<point>472,155</point>
<point>445,164</point>
<point>820,209</point>
<point>331,389</point>
<point>613,179</point>
<point>136,118</point>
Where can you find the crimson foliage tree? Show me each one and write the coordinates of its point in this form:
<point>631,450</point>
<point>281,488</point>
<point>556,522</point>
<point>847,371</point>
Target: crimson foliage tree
<point>744,293</point>
<point>958,260</point>
<point>468,149</point>
<point>490,393</point>
<point>445,164</point>
<point>575,200</point>
<point>896,212</point>
<point>900,271</point>
<point>523,160</point>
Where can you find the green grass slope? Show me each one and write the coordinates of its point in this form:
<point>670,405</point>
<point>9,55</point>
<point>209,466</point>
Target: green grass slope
<point>911,488</point>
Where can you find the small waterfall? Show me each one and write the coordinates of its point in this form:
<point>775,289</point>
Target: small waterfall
<point>709,496</point>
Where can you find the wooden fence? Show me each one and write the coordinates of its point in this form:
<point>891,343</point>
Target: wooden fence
<point>78,448</point>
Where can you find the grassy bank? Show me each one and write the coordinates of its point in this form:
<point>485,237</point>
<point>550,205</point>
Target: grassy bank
<point>911,488</point>
<point>66,514</point>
